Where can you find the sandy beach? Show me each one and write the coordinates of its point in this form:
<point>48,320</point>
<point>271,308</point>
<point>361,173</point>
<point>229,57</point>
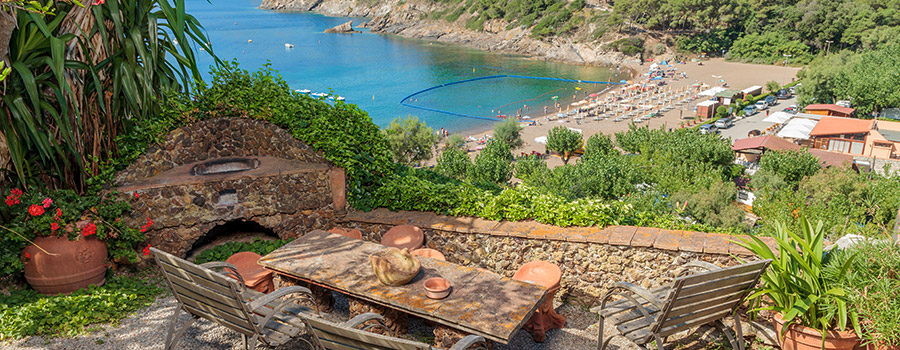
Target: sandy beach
<point>713,73</point>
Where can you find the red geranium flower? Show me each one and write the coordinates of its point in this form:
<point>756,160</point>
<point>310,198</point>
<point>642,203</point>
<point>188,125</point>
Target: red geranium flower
<point>10,201</point>
<point>35,210</point>
<point>27,256</point>
<point>16,192</point>
<point>90,229</point>
<point>98,2</point>
<point>136,195</point>
<point>46,202</point>
<point>147,250</point>
<point>58,212</point>
<point>54,226</point>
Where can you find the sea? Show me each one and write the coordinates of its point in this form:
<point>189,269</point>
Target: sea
<point>378,71</point>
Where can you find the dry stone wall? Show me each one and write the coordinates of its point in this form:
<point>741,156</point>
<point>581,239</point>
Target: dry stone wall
<point>591,258</point>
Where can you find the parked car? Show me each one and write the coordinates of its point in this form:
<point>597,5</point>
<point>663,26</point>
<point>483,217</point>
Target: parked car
<point>844,103</point>
<point>770,100</point>
<point>761,105</point>
<point>790,109</point>
<point>708,129</point>
<point>750,110</point>
<point>783,94</point>
<point>724,123</point>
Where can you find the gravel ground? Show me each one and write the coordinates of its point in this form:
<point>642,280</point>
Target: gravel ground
<point>146,329</point>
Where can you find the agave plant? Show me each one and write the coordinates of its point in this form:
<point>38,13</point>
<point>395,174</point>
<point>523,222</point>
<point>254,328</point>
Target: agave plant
<point>81,74</point>
<point>795,285</point>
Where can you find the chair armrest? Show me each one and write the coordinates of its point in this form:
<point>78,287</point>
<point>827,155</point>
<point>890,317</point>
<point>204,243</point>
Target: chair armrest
<point>279,293</point>
<point>468,341</point>
<point>233,272</point>
<point>643,293</point>
<point>366,317</point>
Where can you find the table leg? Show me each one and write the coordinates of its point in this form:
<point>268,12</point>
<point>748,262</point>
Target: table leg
<point>397,322</point>
<point>324,298</point>
<point>445,337</point>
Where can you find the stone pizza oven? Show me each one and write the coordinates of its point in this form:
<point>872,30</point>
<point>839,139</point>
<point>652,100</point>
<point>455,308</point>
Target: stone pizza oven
<point>225,170</point>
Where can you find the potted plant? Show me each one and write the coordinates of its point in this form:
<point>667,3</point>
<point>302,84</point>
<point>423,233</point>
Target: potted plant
<point>872,282</point>
<point>62,240</point>
<point>810,312</point>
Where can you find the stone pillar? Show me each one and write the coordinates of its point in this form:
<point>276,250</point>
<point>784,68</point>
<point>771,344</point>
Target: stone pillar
<point>337,177</point>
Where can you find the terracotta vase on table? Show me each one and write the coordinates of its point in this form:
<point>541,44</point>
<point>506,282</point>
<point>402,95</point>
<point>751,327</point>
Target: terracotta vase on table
<point>70,266</point>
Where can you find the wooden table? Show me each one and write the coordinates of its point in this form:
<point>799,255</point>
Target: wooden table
<point>481,303</point>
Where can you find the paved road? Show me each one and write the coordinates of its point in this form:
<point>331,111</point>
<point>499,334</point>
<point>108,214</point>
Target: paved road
<point>742,127</point>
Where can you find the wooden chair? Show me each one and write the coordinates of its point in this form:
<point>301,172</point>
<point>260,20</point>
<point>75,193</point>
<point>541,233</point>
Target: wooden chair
<point>204,293</point>
<point>643,315</point>
<point>353,335</point>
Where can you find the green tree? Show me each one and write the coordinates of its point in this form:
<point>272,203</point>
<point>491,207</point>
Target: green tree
<point>510,132</point>
<point>493,164</point>
<point>453,163</point>
<point>791,166</point>
<point>564,141</point>
<point>773,86</point>
<point>721,111</point>
<point>599,145</point>
<point>410,140</point>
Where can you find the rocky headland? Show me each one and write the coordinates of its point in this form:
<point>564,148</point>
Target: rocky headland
<point>412,19</point>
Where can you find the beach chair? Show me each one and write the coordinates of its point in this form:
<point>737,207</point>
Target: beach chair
<point>202,292</point>
<point>353,335</point>
<point>643,315</point>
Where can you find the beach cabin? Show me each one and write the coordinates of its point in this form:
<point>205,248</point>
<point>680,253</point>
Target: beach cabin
<point>751,148</point>
<point>727,96</point>
<point>754,90</point>
<point>707,109</point>
<point>842,135</point>
<point>831,110</point>
<point>884,140</point>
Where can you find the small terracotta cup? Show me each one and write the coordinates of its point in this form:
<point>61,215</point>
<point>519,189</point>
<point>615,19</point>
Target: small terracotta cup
<point>437,287</point>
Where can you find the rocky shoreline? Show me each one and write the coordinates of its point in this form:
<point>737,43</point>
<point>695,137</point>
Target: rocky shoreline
<point>409,19</point>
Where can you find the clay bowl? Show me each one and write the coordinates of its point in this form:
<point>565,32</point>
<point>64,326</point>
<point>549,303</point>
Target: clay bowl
<point>437,287</point>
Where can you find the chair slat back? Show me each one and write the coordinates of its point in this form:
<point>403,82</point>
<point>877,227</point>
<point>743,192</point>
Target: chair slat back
<point>705,297</point>
<point>207,294</point>
<point>337,337</point>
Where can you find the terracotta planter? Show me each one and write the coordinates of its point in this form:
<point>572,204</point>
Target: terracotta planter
<point>799,337</point>
<point>75,265</point>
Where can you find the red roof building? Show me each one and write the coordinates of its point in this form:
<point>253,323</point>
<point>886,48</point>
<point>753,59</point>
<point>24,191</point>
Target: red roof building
<point>843,135</point>
<point>749,149</point>
<point>829,110</point>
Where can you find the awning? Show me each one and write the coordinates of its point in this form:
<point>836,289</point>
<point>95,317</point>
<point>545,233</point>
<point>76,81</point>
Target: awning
<point>541,139</point>
<point>798,129</point>
<point>778,117</point>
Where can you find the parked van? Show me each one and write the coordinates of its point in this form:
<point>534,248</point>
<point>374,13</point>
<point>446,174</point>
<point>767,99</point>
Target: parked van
<point>724,123</point>
<point>708,129</point>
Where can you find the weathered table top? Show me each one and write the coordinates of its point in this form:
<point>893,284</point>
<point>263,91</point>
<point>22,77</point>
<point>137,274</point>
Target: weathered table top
<point>480,303</point>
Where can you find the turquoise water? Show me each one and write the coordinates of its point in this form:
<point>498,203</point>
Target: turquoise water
<point>376,71</point>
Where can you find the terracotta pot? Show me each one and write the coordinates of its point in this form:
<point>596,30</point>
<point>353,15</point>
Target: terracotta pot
<point>882,347</point>
<point>74,265</point>
<point>799,337</point>
<point>404,236</point>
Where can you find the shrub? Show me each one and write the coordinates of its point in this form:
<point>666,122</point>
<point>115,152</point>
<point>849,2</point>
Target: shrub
<point>599,145</point>
<point>455,141</point>
<point>453,163</point>
<point>410,140</point>
<point>530,166</point>
<point>772,86</point>
<point>493,164</point>
<point>510,132</point>
<point>791,166</point>
<point>564,141</point>
<point>25,313</point>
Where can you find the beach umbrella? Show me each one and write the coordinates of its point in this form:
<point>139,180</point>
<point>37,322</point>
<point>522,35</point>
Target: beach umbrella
<point>577,88</point>
<point>594,95</point>
<point>555,98</point>
<point>623,81</point>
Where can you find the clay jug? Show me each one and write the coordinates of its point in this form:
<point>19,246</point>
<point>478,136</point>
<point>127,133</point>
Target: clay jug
<point>394,267</point>
<point>73,265</point>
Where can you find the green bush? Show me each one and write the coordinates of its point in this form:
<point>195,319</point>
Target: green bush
<point>223,251</point>
<point>564,142</point>
<point>711,42</point>
<point>770,48</point>
<point>453,163</point>
<point>530,166</point>
<point>493,165</point>
<point>510,132</point>
<point>25,313</point>
<point>872,282</point>
<point>410,140</point>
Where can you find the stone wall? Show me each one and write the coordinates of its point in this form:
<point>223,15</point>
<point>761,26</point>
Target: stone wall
<point>292,189</point>
<point>216,138</point>
<point>591,258</point>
